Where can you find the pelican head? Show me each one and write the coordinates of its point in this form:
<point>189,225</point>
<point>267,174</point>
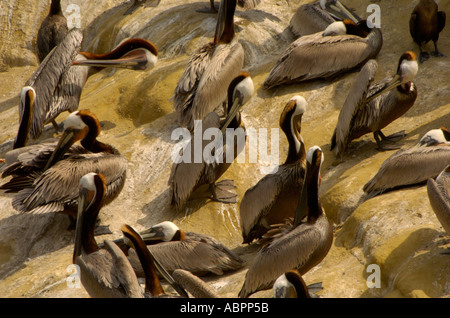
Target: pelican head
<point>335,28</point>
<point>290,285</point>
<point>290,120</point>
<point>165,231</point>
<point>434,137</point>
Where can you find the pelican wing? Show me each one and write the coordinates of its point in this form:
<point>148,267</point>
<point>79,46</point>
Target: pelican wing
<point>315,56</point>
<point>47,76</point>
<point>309,19</point>
<point>408,167</point>
<point>440,202</point>
<point>352,107</point>
<point>58,185</point>
<point>194,285</point>
<point>284,253</point>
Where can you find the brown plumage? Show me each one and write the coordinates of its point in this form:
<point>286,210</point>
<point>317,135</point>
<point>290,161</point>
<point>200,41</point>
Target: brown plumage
<point>319,56</point>
<point>412,166</point>
<point>425,24</point>
<point>193,284</point>
<point>292,285</point>
<point>40,175</point>
<point>299,245</point>
<point>370,108</point>
<point>439,195</point>
<point>275,197</point>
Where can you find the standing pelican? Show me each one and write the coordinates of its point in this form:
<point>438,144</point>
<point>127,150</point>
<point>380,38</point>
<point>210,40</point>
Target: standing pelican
<point>197,253</point>
<point>315,17</point>
<point>292,285</point>
<point>203,86</point>
<point>343,46</point>
<point>298,245</point>
<point>45,176</point>
<point>439,195</point>
<point>189,174</point>
<point>370,108</point>
<point>414,165</point>
<point>52,30</point>
<point>56,85</point>
<point>425,24</point>
<point>104,273</point>
<point>274,198</point>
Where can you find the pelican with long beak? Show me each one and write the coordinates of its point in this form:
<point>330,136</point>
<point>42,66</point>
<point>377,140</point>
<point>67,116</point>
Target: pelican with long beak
<point>414,165</point>
<point>45,176</point>
<point>297,244</point>
<point>315,17</point>
<point>57,83</point>
<point>189,175</point>
<point>203,86</point>
<point>370,108</point>
<point>274,197</point>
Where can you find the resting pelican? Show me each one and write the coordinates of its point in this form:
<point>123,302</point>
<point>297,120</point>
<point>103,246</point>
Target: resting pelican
<point>370,108</point>
<point>292,285</point>
<point>194,252</point>
<point>275,197</point>
<point>439,195</point>
<point>52,30</point>
<point>414,165</point>
<point>203,86</point>
<point>246,4</point>
<point>315,17</point>
<point>56,85</point>
<point>45,176</point>
<point>425,24</point>
<point>104,273</point>
<point>192,173</point>
<point>343,46</point>
<point>298,245</point>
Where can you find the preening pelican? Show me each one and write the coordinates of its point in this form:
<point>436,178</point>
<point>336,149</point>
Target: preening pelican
<point>52,31</point>
<point>203,86</point>
<point>104,273</point>
<point>189,174</point>
<point>56,85</point>
<point>425,24</point>
<point>414,165</point>
<point>439,195</point>
<point>315,17</point>
<point>292,285</point>
<point>370,108</point>
<point>45,176</point>
<point>175,249</point>
<point>343,46</point>
<point>274,198</point>
<point>299,245</point>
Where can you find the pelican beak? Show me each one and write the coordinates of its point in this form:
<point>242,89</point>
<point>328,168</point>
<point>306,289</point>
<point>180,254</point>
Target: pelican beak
<point>396,81</point>
<point>68,138</point>
<point>152,234</point>
<point>339,11</point>
<point>83,203</point>
<point>139,59</point>
<point>237,104</point>
<point>302,207</point>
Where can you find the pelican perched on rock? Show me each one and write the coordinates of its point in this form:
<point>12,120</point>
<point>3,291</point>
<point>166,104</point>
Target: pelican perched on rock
<point>414,165</point>
<point>425,24</point>
<point>274,198</point>
<point>343,46</point>
<point>52,30</point>
<point>57,83</point>
<point>203,86</point>
<point>197,253</point>
<point>292,285</point>
<point>439,195</point>
<point>370,108</point>
<point>299,245</point>
<point>315,17</point>
<point>192,171</point>
<point>45,176</point>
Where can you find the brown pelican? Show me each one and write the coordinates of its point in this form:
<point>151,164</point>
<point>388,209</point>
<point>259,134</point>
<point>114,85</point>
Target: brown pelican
<point>193,284</point>
<point>203,86</point>
<point>315,17</point>
<point>274,198</point>
<point>343,46</point>
<point>57,85</point>
<point>194,252</point>
<point>52,30</point>
<point>45,176</point>
<point>370,108</point>
<point>104,273</point>
<point>300,245</point>
<point>292,285</point>
<point>425,24</point>
<point>246,4</point>
<point>414,165</point>
<point>187,177</point>
<point>439,195</point>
